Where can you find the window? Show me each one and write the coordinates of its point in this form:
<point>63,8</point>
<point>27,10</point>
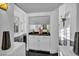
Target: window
<point>65,36</point>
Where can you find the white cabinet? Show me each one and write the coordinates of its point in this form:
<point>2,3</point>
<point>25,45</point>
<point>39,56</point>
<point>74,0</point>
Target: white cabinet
<point>44,43</point>
<point>39,43</point>
<point>33,43</point>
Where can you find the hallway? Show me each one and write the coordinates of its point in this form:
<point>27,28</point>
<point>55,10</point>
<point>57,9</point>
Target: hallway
<point>39,29</point>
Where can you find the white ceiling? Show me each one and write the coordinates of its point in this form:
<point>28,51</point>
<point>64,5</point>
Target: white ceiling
<point>38,7</point>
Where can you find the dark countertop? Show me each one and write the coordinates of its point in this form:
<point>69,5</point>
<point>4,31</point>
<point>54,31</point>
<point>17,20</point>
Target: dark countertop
<point>37,33</point>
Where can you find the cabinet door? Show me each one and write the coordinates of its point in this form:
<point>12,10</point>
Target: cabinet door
<point>33,43</point>
<point>44,44</point>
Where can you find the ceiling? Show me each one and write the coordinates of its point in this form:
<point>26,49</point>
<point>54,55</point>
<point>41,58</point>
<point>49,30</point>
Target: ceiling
<point>38,7</point>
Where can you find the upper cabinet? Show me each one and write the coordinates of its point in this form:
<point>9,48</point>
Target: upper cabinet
<point>35,20</point>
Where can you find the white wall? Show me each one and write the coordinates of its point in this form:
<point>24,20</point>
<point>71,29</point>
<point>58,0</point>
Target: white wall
<point>22,17</point>
<point>40,14</point>
<point>6,23</point>
<point>39,20</point>
<point>54,31</point>
<point>72,10</point>
<point>73,16</point>
<point>77,21</point>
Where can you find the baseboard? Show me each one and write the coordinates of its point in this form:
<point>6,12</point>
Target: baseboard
<point>45,52</point>
<point>54,54</point>
<point>53,51</point>
<point>39,51</point>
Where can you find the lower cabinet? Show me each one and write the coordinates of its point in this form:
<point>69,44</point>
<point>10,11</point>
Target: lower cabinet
<point>33,43</point>
<point>44,44</point>
<point>39,43</point>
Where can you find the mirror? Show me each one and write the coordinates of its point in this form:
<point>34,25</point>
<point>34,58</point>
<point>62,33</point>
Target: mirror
<point>16,24</point>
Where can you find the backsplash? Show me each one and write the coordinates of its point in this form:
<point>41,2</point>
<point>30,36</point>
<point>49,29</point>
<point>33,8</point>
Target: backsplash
<point>35,28</point>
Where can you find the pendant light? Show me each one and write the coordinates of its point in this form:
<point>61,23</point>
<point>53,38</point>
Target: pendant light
<point>4,6</point>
